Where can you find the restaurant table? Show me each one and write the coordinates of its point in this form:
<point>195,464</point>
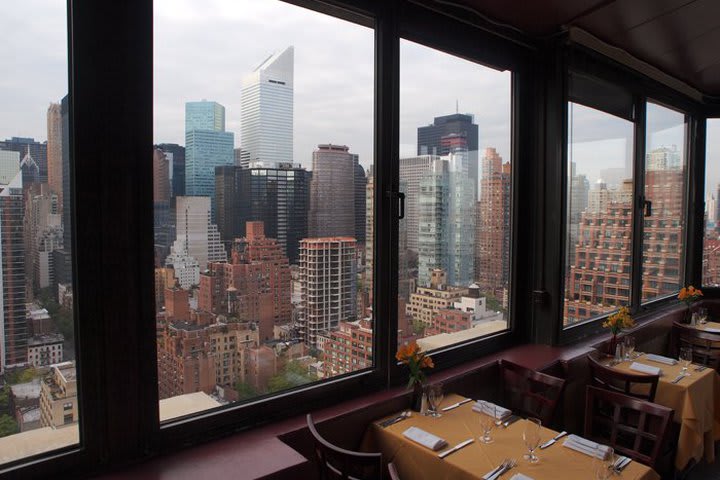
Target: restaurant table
<point>416,462</point>
<point>711,325</point>
<point>696,404</point>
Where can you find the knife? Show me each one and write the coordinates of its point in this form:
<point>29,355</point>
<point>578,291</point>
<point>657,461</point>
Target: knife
<point>456,448</point>
<point>624,464</point>
<point>553,440</point>
<point>679,377</point>
<point>511,420</point>
<point>455,405</point>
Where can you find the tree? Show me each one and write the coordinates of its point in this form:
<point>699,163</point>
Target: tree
<point>294,374</point>
<point>245,391</point>
<point>8,426</point>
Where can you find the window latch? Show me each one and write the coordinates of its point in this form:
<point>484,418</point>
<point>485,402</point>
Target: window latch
<point>401,198</point>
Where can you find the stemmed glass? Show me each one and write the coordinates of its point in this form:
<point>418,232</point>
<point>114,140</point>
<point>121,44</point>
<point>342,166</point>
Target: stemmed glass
<point>686,357</point>
<point>629,342</point>
<point>702,315</point>
<point>435,397</point>
<point>487,420</point>
<point>604,462</point>
<point>531,437</point>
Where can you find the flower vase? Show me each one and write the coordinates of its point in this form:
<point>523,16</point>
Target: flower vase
<point>417,395</point>
<point>612,346</point>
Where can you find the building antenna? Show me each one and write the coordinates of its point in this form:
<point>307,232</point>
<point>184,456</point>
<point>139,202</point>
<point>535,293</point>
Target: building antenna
<point>457,107</point>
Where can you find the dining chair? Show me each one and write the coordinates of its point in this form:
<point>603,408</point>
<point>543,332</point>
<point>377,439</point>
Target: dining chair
<point>635,428</point>
<point>338,463</point>
<point>638,385</point>
<point>705,345</point>
<point>392,470</point>
<point>530,393</point>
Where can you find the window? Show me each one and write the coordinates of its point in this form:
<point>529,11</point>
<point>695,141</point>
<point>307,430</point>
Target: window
<point>711,243</point>
<point>664,226</point>
<point>599,205</point>
<point>455,171</point>
<point>263,200</point>
<point>37,333</point>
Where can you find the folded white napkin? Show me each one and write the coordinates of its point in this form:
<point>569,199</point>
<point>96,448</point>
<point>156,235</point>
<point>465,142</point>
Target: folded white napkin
<point>660,359</point>
<point>641,367</point>
<point>713,330</point>
<point>426,439</point>
<point>520,476</point>
<point>582,445</point>
<point>491,409</point>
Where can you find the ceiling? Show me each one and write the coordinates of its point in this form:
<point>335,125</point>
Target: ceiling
<point>679,37</point>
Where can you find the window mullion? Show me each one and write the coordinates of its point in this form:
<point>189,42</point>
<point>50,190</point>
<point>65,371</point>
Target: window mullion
<point>638,202</point>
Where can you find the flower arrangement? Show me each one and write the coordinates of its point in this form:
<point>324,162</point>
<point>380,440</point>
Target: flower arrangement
<point>416,360</point>
<point>689,295</point>
<point>619,320</point>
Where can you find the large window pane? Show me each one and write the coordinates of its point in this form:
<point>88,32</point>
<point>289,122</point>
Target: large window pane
<point>711,244</point>
<point>599,214</point>
<point>38,388</point>
<point>263,147</point>
<point>455,169</point>
<point>664,222</point>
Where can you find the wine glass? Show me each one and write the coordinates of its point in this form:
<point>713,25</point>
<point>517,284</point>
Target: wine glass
<point>686,358</point>
<point>629,342</point>
<point>604,462</point>
<point>487,420</point>
<point>702,315</point>
<point>531,437</point>
<point>435,398</point>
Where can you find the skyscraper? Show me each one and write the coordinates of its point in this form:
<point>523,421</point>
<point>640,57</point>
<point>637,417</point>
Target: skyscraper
<point>277,196</point>
<point>207,145</point>
<point>492,248</point>
<point>176,154</point>
<point>54,151</point>
<point>35,150</point>
<point>412,171</point>
<point>13,326</point>
<point>429,139</point>
<point>164,225</point>
<point>197,236</point>
<point>446,221</point>
<point>267,111</point>
<point>332,192</point>
<point>360,193</point>
<point>328,280</point>
<point>62,259</point>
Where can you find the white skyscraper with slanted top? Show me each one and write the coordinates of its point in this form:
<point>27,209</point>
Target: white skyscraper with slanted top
<point>267,111</point>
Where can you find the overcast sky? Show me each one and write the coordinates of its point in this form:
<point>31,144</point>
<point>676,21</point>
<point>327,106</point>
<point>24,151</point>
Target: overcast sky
<point>203,49</point>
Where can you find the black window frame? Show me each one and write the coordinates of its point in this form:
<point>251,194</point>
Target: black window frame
<point>576,58</point>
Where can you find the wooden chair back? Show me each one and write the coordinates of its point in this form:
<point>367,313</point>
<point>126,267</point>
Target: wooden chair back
<point>638,385</point>
<point>635,428</point>
<point>338,463</point>
<point>530,393</point>
<point>705,345</point>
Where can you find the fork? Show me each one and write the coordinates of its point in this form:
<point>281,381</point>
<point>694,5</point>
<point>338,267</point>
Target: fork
<point>493,473</point>
<point>700,368</point>
<point>506,468</point>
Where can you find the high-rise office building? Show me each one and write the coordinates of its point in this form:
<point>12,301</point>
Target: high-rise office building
<point>207,145</point>
<point>35,150</point>
<point>332,192</point>
<point>577,203</point>
<point>197,236</point>
<point>13,327</point>
<point>54,151</point>
<point>412,171</point>
<point>267,111</point>
<point>429,139</point>
<point>164,224</point>
<point>492,248</point>
<point>176,156</point>
<point>328,281</point>
<point>360,193</point>
<point>276,196</point>
<point>62,259</point>
<point>446,221</point>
